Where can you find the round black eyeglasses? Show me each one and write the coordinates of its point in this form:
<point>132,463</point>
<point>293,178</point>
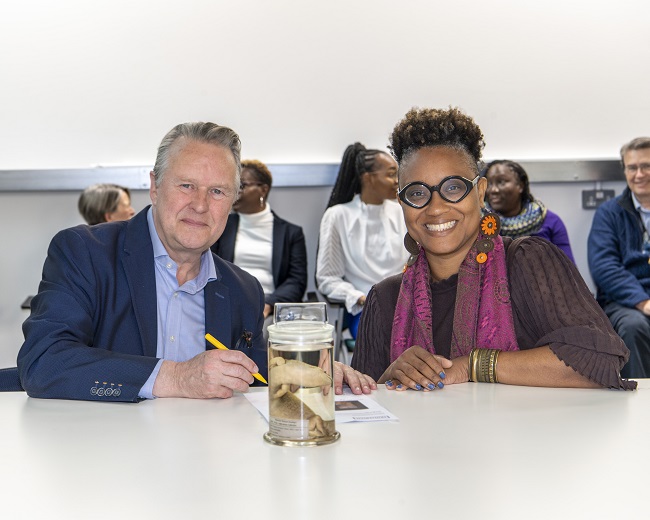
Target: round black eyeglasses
<point>451,189</point>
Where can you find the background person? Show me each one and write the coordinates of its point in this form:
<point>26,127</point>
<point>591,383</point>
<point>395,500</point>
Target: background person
<point>262,244</point>
<point>362,231</point>
<point>474,306</point>
<point>105,203</point>
<point>618,251</point>
<point>508,194</point>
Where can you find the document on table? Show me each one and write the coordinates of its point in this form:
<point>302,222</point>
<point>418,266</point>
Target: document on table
<point>348,407</point>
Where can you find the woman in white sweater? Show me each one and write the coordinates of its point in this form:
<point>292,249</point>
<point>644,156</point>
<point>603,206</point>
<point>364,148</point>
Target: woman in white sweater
<point>362,230</point>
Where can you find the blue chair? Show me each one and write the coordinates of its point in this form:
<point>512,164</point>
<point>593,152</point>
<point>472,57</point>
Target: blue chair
<point>9,380</point>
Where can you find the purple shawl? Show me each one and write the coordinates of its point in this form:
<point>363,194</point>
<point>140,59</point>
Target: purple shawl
<point>482,316</point>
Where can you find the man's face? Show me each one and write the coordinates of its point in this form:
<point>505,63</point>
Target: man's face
<point>637,172</point>
<point>195,195</point>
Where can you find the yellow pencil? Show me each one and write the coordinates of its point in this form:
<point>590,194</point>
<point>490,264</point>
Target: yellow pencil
<point>221,346</point>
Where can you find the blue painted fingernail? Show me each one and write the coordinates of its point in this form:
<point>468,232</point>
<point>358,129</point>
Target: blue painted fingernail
<point>389,383</point>
<point>441,384</point>
<point>418,387</point>
<point>442,375</point>
<point>399,386</point>
<point>431,386</point>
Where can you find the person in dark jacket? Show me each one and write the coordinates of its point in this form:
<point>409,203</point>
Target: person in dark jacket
<point>263,244</point>
<point>619,256</point>
<point>123,307</point>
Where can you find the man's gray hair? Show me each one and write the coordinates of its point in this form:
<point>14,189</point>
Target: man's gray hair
<point>639,143</point>
<point>209,133</point>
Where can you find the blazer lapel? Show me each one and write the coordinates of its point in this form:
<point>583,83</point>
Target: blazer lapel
<point>279,230</point>
<point>138,262</point>
<point>227,240</point>
<point>217,312</point>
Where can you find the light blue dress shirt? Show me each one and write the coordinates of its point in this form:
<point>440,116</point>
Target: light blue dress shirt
<point>645,213</point>
<point>181,310</point>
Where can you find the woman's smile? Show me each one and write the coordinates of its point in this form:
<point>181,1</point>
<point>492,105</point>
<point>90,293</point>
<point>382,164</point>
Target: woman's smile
<point>441,227</point>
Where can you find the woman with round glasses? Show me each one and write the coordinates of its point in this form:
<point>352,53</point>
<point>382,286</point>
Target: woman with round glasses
<point>508,194</point>
<point>361,231</point>
<point>263,244</point>
<point>472,306</point>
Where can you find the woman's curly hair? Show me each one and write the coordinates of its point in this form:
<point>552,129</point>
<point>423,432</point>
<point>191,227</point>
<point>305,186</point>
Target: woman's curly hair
<point>429,127</point>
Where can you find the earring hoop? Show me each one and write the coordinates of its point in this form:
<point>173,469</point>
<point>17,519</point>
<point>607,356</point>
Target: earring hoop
<point>413,248</point>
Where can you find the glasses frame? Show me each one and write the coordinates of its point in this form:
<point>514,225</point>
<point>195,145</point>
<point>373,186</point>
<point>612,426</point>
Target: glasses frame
<point>469,184</point>
<point>244,185</point>
<point>633,168</point>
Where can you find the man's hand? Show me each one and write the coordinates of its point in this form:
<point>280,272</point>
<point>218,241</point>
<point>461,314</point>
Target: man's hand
<point>213,373</point>
<point>644,307</point>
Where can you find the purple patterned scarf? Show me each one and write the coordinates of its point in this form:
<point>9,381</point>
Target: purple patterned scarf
<point>482,315</point>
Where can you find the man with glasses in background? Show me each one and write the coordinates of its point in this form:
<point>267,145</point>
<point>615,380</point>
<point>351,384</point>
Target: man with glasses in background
<point>619,257</point>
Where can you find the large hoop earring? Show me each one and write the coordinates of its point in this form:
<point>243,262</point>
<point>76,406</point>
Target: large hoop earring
<point>413,248</point>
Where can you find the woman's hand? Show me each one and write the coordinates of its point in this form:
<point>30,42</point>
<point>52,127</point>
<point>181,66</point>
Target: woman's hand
<point>359,383</point>
<point>458,372</point>
<point>418,369</point>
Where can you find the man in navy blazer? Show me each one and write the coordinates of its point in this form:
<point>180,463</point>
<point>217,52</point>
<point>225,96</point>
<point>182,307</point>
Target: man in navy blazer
<point>123,308</point>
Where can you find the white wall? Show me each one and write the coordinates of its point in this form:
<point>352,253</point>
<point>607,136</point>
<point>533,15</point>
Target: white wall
<point>100,82</point>
<point>86,83</point>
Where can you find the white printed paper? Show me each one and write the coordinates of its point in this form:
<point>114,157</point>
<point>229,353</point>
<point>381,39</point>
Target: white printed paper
<point>349,407</point>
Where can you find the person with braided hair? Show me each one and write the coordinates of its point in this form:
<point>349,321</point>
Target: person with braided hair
<point>508,194</point>
<point>471,305</point>
<point>361,231</point>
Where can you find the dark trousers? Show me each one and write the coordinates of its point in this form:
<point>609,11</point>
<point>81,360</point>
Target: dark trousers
<point>634,329</point>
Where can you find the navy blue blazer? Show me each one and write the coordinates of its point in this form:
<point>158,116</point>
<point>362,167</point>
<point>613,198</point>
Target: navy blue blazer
<point>92,331</point>
<point>289,262</point>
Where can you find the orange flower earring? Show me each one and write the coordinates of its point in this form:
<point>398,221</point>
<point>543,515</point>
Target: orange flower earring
<point>490,225</point>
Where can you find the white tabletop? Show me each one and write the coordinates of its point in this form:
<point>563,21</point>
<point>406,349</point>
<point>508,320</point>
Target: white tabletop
<point>469,451</point>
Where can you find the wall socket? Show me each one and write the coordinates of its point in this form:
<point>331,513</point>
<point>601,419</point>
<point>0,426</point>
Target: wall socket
<point>591,199</point>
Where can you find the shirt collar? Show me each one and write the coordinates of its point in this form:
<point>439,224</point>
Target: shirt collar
<point>637,205</point>
<point>207,272</point>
